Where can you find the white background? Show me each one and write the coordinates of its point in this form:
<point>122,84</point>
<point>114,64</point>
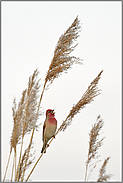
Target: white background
<point>30,31</point>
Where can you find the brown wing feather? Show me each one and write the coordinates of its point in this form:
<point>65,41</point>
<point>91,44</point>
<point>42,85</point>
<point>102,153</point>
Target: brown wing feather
<point>44,128</point>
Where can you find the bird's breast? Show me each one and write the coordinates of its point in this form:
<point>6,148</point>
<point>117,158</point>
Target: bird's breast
<point>52,121</point>
<point>50,128</point>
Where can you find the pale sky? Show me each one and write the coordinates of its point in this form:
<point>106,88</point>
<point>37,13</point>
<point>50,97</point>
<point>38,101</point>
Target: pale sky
<point>30,31</point>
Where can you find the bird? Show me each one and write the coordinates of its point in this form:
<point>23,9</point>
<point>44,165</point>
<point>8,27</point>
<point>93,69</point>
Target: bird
<point>49,128</point>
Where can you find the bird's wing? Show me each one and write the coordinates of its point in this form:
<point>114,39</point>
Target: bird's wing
<point>44,126</point>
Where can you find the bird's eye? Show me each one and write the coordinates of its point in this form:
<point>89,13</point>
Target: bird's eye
<point>50,111</point>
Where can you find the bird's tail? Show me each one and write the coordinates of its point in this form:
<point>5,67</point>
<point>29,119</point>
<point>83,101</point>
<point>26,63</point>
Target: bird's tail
<point>44,146</point>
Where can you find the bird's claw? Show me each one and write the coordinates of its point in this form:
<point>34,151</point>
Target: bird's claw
<point>53,136</point>
<point>47,145</point>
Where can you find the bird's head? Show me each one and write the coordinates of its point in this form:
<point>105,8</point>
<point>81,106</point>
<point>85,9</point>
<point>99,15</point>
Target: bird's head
<point>50,113</point>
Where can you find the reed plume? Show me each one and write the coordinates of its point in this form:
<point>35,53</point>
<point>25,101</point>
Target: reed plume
<point>25,163</point>
<point>31,104</point>
<point>30,108</point>
<point>62,60</point>
<point>94,144</point>
<point>87,97</point>
<point>103,176</point>
<point>17,127</point>
<point>24,117</point>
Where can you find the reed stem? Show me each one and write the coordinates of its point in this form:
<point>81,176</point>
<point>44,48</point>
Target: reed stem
<point>12,170</point>
<point>7,164</point>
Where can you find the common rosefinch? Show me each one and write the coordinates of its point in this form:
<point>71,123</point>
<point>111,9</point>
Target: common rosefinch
<point>49,127</point>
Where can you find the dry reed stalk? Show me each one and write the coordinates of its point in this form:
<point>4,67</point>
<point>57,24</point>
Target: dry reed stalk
<point>28,162</point>
<point>7,165</point>
<point>15,161</point>
<point>103,176</point>
<point>29,112</point>
<point>94,144</point>
<point>88,96</point>
<point>12,170</point>
<point>28,149</point>
<point>17,173</point>
<point>17,128</point>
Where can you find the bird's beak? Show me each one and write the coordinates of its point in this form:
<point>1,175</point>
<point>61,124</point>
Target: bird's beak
<point>53,111</point>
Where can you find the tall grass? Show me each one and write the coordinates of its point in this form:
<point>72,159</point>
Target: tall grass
<point>93,156</point>
<point>27,112</point>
